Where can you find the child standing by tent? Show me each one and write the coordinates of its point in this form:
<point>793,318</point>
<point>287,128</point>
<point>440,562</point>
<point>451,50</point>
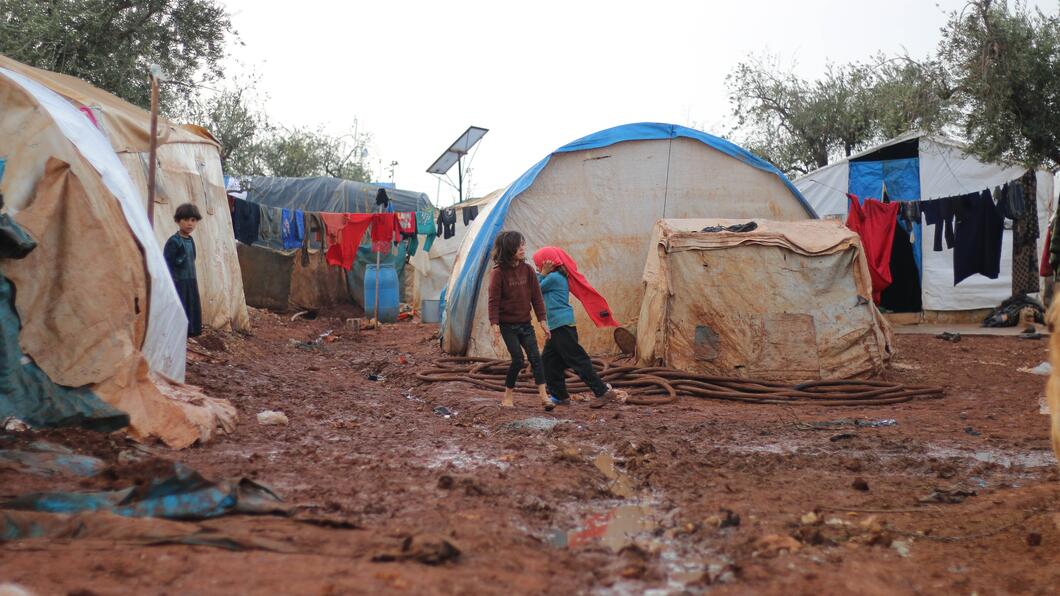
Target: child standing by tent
<point>513,291</point>
<point>560,277</point>
<point>180,256</point>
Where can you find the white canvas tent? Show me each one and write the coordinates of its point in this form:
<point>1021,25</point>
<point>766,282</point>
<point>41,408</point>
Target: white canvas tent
<point>918,166</point>
<point>598,198</point>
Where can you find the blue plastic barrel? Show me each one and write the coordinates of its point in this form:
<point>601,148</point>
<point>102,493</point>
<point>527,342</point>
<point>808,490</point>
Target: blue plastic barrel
<point>388,292</point>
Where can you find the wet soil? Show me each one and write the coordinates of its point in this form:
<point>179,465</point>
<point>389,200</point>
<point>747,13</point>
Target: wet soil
<point>959,495</point>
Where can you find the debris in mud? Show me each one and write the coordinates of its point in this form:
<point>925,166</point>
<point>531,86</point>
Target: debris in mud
<point>846,422</point>
<point>272,418</point>
<point>374,377</point>
<point>902,547</point>
<point>968,430</point>
<point>535,423</point>
<point>444,412</point>
<point>1044,369</point>
<point>948,495</point>
<point>619,483</point>
<point>726,519</point>
<point>212,343</point>
<point>950,337</point>
<point>860,484</point>
<point>775,544</point>
<point>14,425</point>
<point>428,549</point>
<point>841,437</point>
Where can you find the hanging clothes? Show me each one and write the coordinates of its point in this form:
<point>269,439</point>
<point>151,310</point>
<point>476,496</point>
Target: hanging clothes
<point>904,292</point>
<point>978,232</point>
<point>469,213</point>
<point>293,228</point>
<point>381,199</point>
<point>269,231</point>
<point>425,226</point>
<point>875,222</point>
<point>246,220</point>
<point>314,231</point>
<point>1023,207</point>
<point>940,213</point>
<point>1046,268</point>
<point>595,305</point>
<point>447,222</point>
<point>344,232</point>
<point>385,230</point>
<point>407,227</point>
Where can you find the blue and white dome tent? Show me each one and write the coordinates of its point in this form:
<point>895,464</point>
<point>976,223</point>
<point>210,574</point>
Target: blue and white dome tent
<point>598,198</point>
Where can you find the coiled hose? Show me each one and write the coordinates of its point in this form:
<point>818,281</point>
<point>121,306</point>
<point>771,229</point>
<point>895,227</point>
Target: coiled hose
<point>655,386</point>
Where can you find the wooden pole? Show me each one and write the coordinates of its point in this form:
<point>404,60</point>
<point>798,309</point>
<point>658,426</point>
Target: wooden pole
<point>378,258</point>
<point>152,153</point>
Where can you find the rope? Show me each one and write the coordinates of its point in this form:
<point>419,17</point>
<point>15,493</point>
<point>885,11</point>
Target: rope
<point>656,386</point>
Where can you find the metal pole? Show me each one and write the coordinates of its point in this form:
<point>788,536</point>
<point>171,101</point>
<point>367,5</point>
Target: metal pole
<point>152,152</point>
<point>378,258</point>
<point>460,174</point>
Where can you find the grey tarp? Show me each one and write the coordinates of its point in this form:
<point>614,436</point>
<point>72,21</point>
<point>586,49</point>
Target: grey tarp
<point>325,194</point>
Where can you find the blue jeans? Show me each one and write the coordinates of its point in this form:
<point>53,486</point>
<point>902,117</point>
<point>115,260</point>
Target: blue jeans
<point>518,338</point>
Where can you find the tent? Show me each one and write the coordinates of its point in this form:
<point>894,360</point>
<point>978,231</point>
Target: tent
<point>919,166</point>
<point>598,198</point>
<point>188,171</point>
<point>96,311</point>
<point>788,301</point>
<point>431,269</point>
<point>284,279</point>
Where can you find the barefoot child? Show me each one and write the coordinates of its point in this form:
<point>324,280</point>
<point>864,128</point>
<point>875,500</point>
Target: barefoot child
<point>562,350</point>
<point>180,256</point>
<point>513,291</point>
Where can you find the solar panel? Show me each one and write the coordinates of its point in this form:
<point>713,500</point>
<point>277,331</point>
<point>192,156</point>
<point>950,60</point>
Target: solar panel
<point>458,149</point>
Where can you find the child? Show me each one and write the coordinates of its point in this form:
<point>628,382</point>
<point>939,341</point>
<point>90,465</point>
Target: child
<point>562,350</point>
<point>513,290</point>
<point>180,256</point>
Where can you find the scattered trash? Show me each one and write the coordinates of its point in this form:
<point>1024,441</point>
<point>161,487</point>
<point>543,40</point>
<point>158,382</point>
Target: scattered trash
<point>948,495</point>
<point>729,519</point>
<point>809,519</point>
<point>424,548</point>
<point>950,337</point>
<point>860,484</point>
<point>14,425</point>
<point>444,412</point>
<point>309,315</point>
<point>971,431</point>
<point>46,459</point>
<point>535,423</point>
<point>904,366</point>
<point>272,418</point>
<point>847,422</point>
<point>373,377</point>
<point>1044,369</point>
<point>1031,335</point>
<point>875,423</point>
<point>902,547</point>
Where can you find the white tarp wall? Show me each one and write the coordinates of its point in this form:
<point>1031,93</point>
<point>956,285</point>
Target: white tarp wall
<point>945,171</point>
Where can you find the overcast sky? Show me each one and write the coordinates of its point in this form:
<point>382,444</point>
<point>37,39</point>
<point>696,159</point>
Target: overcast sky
<point>541,74</point>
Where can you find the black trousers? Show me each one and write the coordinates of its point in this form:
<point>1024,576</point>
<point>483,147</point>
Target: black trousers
<point>518,338</point>
<point>563,351</point>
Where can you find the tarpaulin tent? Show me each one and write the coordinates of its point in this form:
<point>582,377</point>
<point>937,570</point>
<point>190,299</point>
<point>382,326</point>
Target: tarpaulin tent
<point>433,268</point>
<point>920,167</point>
<point>188,171</point>
<point>788,301</point>
<point>598,198</point>
<point>312,285</point>
<point>95,301</point>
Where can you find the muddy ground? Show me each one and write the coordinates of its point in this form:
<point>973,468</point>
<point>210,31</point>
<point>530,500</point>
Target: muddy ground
<point>698,496</point>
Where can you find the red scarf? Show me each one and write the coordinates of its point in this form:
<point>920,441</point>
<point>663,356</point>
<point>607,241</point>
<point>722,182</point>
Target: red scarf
<point>595,305</point>
<point>344,232</point>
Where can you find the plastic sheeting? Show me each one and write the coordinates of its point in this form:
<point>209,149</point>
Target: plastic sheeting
<point>606,204</point>
<point>324,194</point>
<point>789,301</point>
<point>945,170</point>
<point>167,327</point>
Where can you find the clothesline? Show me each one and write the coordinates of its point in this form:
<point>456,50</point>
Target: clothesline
<point>844,193</point>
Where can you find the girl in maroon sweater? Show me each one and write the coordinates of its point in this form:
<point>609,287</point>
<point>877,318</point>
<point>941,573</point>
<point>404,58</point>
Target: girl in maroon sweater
<point>514,290</point>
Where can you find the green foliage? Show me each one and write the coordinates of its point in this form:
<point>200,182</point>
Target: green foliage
<point>301,152</point>
<point>801,125</point>
<point>1005,64</point>
<point>112,43</point>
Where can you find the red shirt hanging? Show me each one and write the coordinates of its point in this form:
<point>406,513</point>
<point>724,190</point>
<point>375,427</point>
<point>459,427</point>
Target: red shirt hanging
<point>874,222</point>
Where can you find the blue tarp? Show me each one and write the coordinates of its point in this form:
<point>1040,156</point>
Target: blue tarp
<point>900,177</point>
<point>460,305</point>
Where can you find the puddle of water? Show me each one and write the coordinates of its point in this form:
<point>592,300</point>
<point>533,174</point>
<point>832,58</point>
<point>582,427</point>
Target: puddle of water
<point>1028,459</point>
<point>462,460</point>
<point>620,484</point>
<point>535,423</point>
<point>615,529</point>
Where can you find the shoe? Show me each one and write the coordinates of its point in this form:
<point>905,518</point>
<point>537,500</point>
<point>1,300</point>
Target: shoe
<point>559,402</point>
<point>603,400</point>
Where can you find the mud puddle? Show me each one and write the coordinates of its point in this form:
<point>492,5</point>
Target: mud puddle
<point>462,460</point>
<point>1037,458</point>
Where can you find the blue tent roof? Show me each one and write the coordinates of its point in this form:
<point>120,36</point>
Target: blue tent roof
<point>459,311</point>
